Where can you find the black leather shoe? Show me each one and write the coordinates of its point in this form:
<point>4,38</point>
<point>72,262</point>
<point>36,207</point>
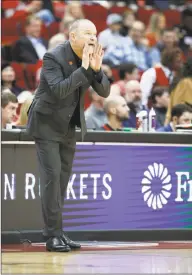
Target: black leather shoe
<point>69,242</point>
<point>56,244</point>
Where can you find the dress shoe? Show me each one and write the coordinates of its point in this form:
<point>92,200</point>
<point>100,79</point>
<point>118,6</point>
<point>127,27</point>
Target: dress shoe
<point>69,242</point>
<point>56,244</point>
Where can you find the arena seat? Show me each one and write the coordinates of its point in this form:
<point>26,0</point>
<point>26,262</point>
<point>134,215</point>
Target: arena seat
<point>95,12</point>
<point>20,74</point>
<point>144,15</point>
<point>9,31</point>
<point>59,9</point>
<point>173,17</point>
<point>53,29</point>
<point>8,4</point>
<point>119,10</point>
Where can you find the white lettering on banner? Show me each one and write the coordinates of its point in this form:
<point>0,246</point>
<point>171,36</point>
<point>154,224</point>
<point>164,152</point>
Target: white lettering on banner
<point>95,177</point>
<point>83,186</point>
<point>70,188</point>
<point>108,187</point>
<point>9,187</point>
<point>183,186</point>
<point>29,185</point>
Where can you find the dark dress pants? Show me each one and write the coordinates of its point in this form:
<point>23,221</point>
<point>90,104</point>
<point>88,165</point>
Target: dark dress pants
<point>55,162</point>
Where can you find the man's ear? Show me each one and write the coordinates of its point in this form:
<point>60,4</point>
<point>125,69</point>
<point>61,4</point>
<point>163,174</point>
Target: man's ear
<point>113,110</point>
<point>72,36</point>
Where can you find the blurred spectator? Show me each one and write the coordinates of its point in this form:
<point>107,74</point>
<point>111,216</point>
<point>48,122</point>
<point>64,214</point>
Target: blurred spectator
<point>8,79</point>
<point>56,40</point>
<point>63,34</point>
<point>160,101</point>
<point>94,115</point>
<point>185,30</point>
<point>30,48</point>
<point>9,105</point>
<point>35,7</point>
<point>181,114</point>
<point>23,118</point>
<point>64,27</point>
<point>181,89</point>
<point>117,111</point>
<point>168,39</point>
<point>128,20</point>
<point>157,24</point>
<point>73,11</point>
<point>161,75</point>
<point>127,72</point>
<point>131,49</point>
<point>111,35</point>
<point>133,100</point>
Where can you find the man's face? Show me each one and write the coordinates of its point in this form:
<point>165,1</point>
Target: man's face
<point>86,33</point>
<point>137,32</point>
<point>34,29</point>
<point>186,118</point>
<point>133,93</point>
<point>169,38</point>
<point>9,112</point>
<point>122,110</point>
<point>8,74</point>
<point>162,101</point>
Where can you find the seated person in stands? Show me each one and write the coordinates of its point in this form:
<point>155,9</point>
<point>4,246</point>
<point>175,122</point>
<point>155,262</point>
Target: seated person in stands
<point>111,35</point>
<point>127,72</point>
<point>162,74</point>
<point>130,49</point>
<point>169,40</point>
<point>160,101</point>
<point>133,99</point>
<point>42,9</point>
<point>117,111</point>
<point>8,79</point>
<point>9,105</point>
<point>184,30</point>
<point>95,116</point>
<point>30,48</point>
<point>181,88</point>
<point>23,118</point>
<point>181,114</point>
<point>62,35</point>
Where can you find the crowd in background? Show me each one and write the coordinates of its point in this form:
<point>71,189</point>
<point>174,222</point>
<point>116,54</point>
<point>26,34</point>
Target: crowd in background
<point>148,61</point>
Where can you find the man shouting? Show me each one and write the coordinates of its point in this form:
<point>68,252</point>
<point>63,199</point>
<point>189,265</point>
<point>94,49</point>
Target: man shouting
<point>58,107</point>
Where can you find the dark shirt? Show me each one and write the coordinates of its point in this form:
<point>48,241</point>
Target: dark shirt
<point>75,119</point>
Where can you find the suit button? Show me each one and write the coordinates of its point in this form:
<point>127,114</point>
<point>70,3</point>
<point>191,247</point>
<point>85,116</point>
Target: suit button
<point>69,116</point>
<point>75,102</point>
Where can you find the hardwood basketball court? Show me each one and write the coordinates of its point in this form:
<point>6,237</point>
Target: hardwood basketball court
<point>100,257</point>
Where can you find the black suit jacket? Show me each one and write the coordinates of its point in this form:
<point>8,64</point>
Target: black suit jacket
<point>24,52</point>
<point>61,92</point>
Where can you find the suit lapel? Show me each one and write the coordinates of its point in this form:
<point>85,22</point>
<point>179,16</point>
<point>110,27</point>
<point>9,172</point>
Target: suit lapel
<point>70,58</point>
<point>30,45</point>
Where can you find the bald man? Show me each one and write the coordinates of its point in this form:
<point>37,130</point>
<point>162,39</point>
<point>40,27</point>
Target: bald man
<point>133,99</point>
<point>117,111</point>
<point>58,107</point>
